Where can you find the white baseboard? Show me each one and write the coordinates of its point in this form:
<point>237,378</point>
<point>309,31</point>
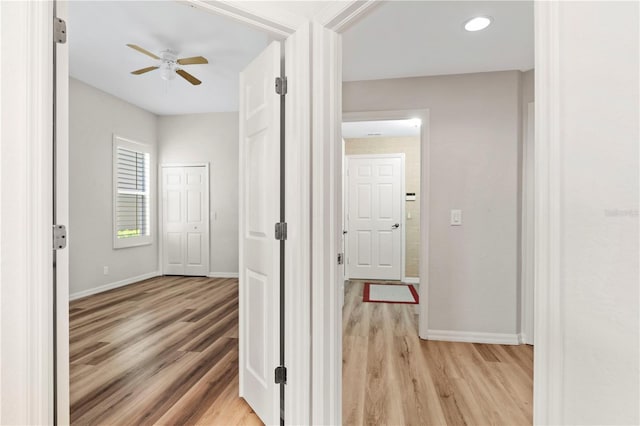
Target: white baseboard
<point>473,337</point>
<point>411,280</point>
<point>223,275</point>
<point>524,339</point>
<point>111,286</point>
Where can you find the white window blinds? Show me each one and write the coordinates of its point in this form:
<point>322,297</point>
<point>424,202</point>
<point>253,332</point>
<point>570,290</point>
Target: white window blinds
<point>131,194</point>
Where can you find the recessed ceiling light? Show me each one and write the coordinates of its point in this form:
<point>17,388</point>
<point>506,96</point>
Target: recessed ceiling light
<point>478,23</point>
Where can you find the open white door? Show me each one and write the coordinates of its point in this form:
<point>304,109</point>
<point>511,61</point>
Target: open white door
<point>185,220</point>
<point>259,250</point>
<point>375,216</point>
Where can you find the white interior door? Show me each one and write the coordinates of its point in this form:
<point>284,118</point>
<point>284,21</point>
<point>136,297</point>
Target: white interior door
<point>259,250</point>
<point>185,217</point>
<point>375,216</point>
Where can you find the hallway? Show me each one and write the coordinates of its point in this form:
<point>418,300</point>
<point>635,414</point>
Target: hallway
<point>390,376</point>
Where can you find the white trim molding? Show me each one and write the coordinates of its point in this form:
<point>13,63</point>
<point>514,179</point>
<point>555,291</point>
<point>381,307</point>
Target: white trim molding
<point>527,227</point>
<point>411,280</point>
<point>111,286</point>
<point>297,269</point>
<point>26,213</point>
<point>259,15</point>
<point>548,360</point>
<point>223,275</point>
<point>523,339</point>
<point>338,16</point>
<point>62,217</point>
<point>326,228</point>
<point>474,337</point>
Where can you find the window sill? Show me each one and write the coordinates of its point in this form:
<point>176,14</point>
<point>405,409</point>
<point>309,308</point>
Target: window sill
<point>117,245</point>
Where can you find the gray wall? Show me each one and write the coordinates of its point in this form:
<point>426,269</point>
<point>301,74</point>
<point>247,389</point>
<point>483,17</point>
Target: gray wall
<point>94,116</point>
<point>212,138</point>
<point>474,137</point>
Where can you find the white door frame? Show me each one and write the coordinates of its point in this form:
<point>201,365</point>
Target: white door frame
<point>548,360</point>
<point>403,213</point>
<point>527,228</point>
<point>25,156</point>
<point>160,199</point>
<point>423,115</point>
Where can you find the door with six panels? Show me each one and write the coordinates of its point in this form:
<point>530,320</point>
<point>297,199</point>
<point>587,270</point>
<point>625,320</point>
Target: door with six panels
<point>185,217</point>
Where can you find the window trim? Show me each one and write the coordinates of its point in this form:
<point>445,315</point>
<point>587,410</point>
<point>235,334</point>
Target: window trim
<point>145,240</point>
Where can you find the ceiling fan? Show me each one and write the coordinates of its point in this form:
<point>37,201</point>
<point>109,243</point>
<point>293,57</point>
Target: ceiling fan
<point>170,65</point>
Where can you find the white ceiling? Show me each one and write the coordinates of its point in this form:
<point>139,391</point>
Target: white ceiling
<point>98,34</point>
<point>380,129</point>
<point>422,38</point>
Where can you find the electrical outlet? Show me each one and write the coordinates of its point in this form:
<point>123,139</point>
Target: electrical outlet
<point>456,217</point>
<point>105,270</point>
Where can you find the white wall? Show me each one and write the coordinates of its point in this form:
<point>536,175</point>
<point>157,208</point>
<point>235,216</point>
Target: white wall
<point>212,138</point>
<point>599,139</point>
<point>94,116</point>
<point>474,160</point>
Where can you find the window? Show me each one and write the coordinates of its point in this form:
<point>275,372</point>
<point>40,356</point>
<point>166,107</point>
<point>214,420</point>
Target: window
<point>131,193</point>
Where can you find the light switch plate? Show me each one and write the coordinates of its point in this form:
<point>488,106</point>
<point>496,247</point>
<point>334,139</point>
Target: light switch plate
<point>456,217</point>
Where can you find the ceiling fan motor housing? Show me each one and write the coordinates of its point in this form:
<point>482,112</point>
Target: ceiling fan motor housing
<point>169,65</point>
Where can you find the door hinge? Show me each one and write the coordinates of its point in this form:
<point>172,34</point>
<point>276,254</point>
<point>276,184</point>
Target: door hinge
<point>59,237</point>
<point>281,86</point>
<point>281,231</point>
<point>281,375</point>
<point>59,30</point>
<point>340,259</point>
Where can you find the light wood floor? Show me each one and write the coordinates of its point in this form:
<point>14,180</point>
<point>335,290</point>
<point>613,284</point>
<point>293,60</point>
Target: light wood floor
<point>162,351</point>
<point>165,351</point>
<point>391,377</point>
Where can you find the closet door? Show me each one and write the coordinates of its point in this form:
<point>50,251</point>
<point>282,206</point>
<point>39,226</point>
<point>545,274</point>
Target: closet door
<point>185,220</point>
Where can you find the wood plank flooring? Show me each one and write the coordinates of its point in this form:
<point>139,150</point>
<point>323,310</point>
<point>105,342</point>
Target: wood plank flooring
<point>162,351</point>
<point>391,377</point>
<point>165,351</point>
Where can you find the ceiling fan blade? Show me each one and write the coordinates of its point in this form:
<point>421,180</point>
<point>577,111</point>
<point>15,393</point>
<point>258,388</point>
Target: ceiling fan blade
<point>141,50</point>
<point>143,70</point>
<point>191,79</point>
<point>192,61</point>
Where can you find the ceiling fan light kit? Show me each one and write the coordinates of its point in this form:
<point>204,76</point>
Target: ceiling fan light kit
<point>170,65</point>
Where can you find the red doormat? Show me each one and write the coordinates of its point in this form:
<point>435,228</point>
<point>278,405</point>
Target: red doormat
<point>390,293</point>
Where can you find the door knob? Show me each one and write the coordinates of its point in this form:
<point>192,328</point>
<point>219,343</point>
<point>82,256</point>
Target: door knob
<point>395,226</point>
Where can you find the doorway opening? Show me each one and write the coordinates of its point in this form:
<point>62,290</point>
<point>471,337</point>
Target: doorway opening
<point>473,242</point>
<point>162,137</point>
<point>382,199</point>
<point>381,188</point>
